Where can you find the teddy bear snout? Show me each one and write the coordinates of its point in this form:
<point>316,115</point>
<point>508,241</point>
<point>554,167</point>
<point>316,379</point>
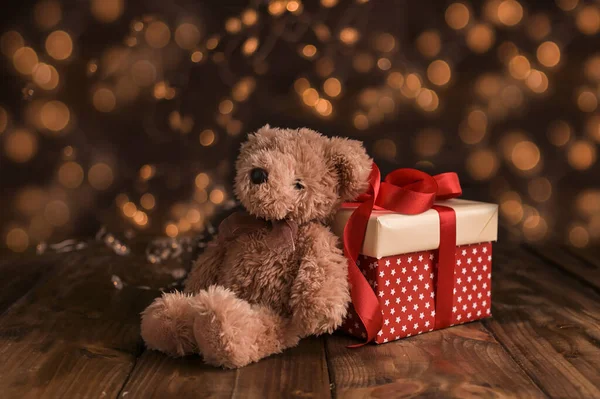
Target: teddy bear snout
<point>258,176</point>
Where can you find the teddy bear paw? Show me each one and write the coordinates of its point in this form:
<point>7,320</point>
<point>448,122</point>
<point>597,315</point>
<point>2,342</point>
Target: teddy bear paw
<point>228,330</point>
<point>167,324</point>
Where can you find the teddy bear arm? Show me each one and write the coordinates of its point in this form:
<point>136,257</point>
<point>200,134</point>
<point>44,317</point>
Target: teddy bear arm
<point>206,269</point>
<point>320,293</point>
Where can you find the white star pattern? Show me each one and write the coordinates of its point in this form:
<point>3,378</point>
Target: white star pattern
<point>416,302</point>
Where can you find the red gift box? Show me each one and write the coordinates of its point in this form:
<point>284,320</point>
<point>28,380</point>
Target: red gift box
<point>405,287</point>
<point>418,258</point>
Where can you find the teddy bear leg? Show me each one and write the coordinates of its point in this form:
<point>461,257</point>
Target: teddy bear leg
<point>230,332</point>
<point>167,324</point>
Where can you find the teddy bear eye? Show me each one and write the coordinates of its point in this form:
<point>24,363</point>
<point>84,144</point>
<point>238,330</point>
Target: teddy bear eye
<point>298,185</point>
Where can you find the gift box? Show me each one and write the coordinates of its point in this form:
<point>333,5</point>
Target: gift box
<point>421,270</point>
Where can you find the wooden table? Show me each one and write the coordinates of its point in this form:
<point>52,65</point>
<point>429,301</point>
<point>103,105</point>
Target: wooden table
<point>65,331</point>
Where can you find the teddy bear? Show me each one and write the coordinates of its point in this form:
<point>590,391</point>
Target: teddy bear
<point>274,273</point>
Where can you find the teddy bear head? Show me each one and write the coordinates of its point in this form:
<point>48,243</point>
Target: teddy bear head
<point>299,174</point>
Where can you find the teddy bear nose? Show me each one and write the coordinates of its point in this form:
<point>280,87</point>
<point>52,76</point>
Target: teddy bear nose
<point>258,176</point>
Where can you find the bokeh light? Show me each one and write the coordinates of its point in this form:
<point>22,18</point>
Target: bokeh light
<point>59,45</point>
<point>20,145</point>
<point>107,10</point>
<point>100,176</point>
<point>457,15</point>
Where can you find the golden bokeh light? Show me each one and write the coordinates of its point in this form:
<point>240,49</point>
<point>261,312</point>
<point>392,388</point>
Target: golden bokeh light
<point>457,15</point>
<point>428,100</point>
<point>301,84</point>
<point>324,107</point>
<point>47,13</point>
<point>20,145</point>
<point>234,127</point>
<point>581,154</point>
<point>129,209</point>
<point>588,19</point>
<point>57,213</point>
<point>559,133</point>
<point>482,164</point>
<point>45,76</point>
<point>249,17</point>
<point>207,138</point>
<point>276,7</point>
<point>187,36</point>
<point>587,101</point>
<point>212,42</point>
<point>579,236</point>
<point>361,122</point>
<point>395,80</point>
<point>226,106</point>
<point>10,42</point>
<point>567,5</point>
<point>349,36</point>
<point>384,63</point>
<point>147,172</point>
<point>202,181</point>
<point>519,67</point>
<point>592,68</point>
<point>308,51</point>
<point>233,25</point>
<point>537,81</point>
<point>511,207</point>
<point>428,142</point>
<point>322,32</point>
<point>329,3</point>
<point>310,97</point>
<point>104,99</point>
<point>148,201</point>
<point>510,12</point>
<point>540,189</point>
<point>100,176</point>
<point>592,127</point>
<point>171,230</point>
<point>439,72</point>
<point>429,43</point>
<point>385,42</point>
<point>412,85</point>
<point>17,239</point>
<point>293,6</point>
<point>332,87</point>
<point>217,196</point>
<point>158,34</point>
<point>474,130</point>
<point>24,60</point>
<point>126,90</point>
<point>525,155</point>
<point>548,53</point>
<point>140,218</point>
<point>197,56</point>
<point>480,38</point>
<point>535,228</point>
<point>107,10</point>
<point>588,202</point>
<point>250,45</point>
<point>59,45</point>
<point>70,174</point>
<point>384,149</point>
<point>243,88</point>
<point>55,115</point>
<point>488,85</point>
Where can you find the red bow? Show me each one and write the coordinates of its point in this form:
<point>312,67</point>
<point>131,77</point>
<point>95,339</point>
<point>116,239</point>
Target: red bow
<point>409,192</point>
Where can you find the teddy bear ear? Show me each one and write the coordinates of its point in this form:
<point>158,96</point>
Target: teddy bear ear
<point>352,164</point>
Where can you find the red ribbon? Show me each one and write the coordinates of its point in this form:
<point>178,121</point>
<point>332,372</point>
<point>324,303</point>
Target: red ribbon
<point>409,192</point>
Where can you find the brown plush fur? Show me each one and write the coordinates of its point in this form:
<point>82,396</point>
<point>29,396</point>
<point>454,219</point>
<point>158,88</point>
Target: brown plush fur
<point>245,300</point>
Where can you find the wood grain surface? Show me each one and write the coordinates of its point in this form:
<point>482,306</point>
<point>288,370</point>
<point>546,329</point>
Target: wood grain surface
<point>548,322</point>
<point>65,331</point>
<point>458,362</point>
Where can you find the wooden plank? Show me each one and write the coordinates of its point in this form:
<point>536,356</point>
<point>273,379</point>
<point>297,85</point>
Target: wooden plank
<point>297,372</point>
<point>75,335</point>
<point>548,322</point>
<point>458,362</point>
<point>583,264</point>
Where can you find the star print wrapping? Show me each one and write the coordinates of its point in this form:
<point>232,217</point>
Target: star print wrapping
<point>399,261</point>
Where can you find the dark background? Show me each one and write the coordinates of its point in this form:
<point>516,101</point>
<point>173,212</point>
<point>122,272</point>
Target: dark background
<point>521,126</point>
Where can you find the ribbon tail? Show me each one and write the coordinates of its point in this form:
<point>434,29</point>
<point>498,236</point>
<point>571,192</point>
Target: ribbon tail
<point>444,295</point>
